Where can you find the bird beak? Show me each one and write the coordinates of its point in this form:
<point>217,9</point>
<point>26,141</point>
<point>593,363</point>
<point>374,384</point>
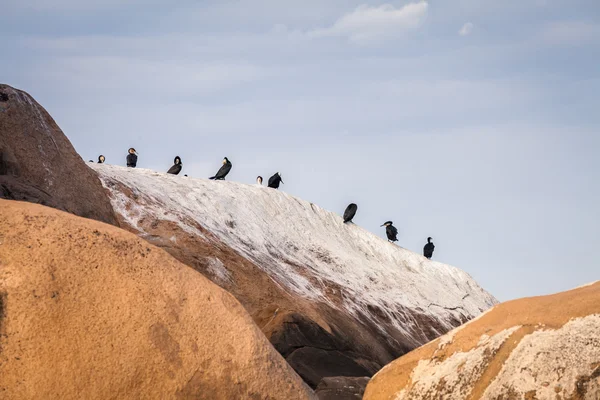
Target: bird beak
<point>382,225</point>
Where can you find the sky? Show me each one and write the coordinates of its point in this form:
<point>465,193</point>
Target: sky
<point>475,122</point>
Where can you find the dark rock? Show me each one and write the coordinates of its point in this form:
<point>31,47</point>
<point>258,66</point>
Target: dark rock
<point>342,388</point>
<point>296,331</point>
<point>315,364</point>
<point>38,163</point>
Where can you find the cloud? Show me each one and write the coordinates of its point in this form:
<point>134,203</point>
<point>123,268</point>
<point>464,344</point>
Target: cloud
<point>466,29</point>
<point>366,24</point>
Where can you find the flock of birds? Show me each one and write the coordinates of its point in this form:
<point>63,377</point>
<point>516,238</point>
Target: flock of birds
<point>274,182</point>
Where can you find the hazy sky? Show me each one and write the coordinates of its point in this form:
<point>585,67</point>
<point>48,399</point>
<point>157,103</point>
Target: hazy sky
<point>475,122</point>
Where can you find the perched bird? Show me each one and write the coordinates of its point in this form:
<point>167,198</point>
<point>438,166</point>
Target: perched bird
<point>428,249</point>
<point>259,180</point>
<point>391,231</point>
<point>176,168</point>
<point>350,212</point>
<point>275,180</point>
<point>223,171</point>
<point>101,159</point>
<point>132,158</point>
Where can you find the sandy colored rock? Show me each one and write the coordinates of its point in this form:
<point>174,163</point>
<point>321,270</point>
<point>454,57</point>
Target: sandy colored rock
<point>88,311</point>
<point>318,288</point>
<point>544,347</point>
<point>39,164</point>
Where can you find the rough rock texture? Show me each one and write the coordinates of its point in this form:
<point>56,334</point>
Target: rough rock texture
<point>38,163</point>
<point>342,388</point>
<point>534,348</point>
<point>333,298</point>
<point>89,311</point>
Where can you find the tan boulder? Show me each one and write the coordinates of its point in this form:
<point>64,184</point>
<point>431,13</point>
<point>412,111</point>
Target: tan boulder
<point>334,299</point>
<point>533,348</point>
<point>89,311</point>
<point>39,164</point>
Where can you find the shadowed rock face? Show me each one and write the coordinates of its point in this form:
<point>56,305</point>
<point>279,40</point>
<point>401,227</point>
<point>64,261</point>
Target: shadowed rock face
<point>342,388</point>
<point>89,311</point>
<point>545,347</point>
<point>38,164</point>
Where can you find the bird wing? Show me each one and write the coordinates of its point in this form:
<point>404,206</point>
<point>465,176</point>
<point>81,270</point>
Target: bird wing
<point>349,213</point>
<point>223,171</point>
<point>175,169</point>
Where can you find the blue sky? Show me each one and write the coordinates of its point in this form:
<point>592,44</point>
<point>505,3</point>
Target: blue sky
<point>472,121</point>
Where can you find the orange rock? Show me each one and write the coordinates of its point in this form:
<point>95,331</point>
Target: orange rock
<point>525,348</point>
<point>89,311</point>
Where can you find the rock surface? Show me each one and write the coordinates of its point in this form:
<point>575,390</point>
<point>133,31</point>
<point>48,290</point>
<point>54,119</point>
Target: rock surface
<point>333,298</point>
<point>342,388</point>
<point>38,163</point>
<point>89,311</point>
<point>534,348</point>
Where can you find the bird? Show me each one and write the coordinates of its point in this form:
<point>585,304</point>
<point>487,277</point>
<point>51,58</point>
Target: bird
<point>391,231</point>
<point>275,180</point>
<point>350,212</point>
<point>223,171</point>
<point>176,168</point>
<point>132,158</point>
<point>259,180</point>
<point>428,249</point>
<point>101,159</point>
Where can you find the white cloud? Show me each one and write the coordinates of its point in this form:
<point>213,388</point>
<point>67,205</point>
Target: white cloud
<point>466,29</point>
<point>366,23</point>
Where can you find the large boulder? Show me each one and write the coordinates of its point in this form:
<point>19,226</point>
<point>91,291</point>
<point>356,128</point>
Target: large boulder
<point>334,299</point>
<point>89,311</point>
<point>534,348</point>
<point>38,163</point>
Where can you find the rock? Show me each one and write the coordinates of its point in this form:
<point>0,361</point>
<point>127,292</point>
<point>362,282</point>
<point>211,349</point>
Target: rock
<point>307,279</point>
<point>89,311</point>
<point>38,163</point>
<point>534,348</point>
<point>342,388</point>
<point>314,364</point>
<point>294,331</point>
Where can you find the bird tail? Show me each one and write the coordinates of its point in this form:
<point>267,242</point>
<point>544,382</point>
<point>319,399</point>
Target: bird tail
<point>212,177</point>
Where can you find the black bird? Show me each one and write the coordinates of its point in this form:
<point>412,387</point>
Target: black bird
<point>391,231</point>
<point>132,158</point>
<point>223,171</point>
<point>350,212</point>
<point>275,180</point>
<point>259,180</point>
<point>101,159</point>
<point>175,169</point>
<point>428,249</point>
